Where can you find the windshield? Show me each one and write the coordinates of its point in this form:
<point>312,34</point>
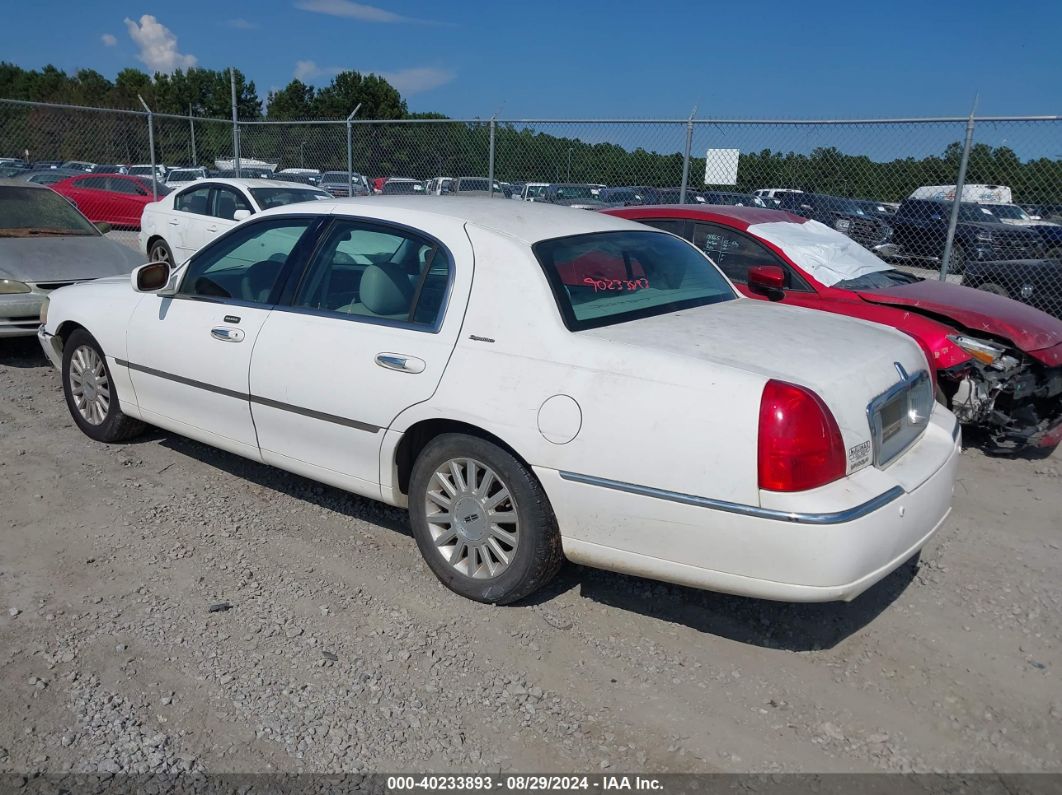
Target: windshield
<point>973,212</point>
<point>878,281</point>
<point>337,176</point>
<point>278,197</point>
<point>392,188</point>
<point>1008,211</point>
<point>473,184</point>
<point>824,253</point>
<point>574,192</point>
<point>31,211</point>
<point>611,277</point>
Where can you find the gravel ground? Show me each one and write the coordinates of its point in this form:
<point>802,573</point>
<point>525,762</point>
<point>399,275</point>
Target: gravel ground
<point>165,607</point>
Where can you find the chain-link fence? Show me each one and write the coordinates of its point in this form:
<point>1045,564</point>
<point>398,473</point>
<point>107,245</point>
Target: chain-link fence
<point>976,199</point>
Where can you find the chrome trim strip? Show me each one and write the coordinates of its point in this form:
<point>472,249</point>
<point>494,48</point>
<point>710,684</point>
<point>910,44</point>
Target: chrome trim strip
<point>262,401</point>
<point>179,379</point>
<point>837,517</point>
<point>317,415</point>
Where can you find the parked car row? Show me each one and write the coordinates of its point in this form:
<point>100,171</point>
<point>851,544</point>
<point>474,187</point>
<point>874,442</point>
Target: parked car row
<point>826,396</point>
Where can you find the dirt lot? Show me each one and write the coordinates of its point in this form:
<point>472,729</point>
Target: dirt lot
<point>340,651</point>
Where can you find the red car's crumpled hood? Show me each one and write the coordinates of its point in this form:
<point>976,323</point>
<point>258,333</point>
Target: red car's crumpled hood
<point>1028,328</point>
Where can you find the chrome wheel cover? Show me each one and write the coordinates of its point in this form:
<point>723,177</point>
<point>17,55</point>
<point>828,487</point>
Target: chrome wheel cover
<point>159,253</point>
<point>89,385</point>
<point>472,518</point>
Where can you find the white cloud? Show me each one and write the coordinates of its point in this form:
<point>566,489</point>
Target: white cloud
<point>108,40</point>
<point>307,70</point>
<point>242,24</point>
<point>414,80</point>
<point>158,45</point>
<point>418,79</point>
<point>358,11</point>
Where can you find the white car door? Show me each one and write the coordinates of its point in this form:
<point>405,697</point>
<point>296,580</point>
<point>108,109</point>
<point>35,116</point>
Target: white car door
<point>184,228</point>
<point>189,354</point>
<point>367,334</point>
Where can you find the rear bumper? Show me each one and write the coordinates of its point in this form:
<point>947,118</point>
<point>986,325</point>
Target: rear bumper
<point>828,544</point>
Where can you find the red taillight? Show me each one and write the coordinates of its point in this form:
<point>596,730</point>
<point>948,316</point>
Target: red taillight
<point>800,445</point>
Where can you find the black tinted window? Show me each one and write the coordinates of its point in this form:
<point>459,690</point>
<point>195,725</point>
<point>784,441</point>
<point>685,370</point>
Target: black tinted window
<point>735,253</point>
<point>194,201</point>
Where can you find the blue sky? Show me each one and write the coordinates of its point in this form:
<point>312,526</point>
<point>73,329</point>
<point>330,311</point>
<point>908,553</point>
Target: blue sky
<point>584,58</point>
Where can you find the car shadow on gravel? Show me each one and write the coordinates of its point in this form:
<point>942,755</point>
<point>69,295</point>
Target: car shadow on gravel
<point>294,486</point>
<point>757,622</point>
<point>22,352</point>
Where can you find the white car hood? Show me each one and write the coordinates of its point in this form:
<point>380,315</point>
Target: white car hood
<point>847,362</point>
<point>825,253</point>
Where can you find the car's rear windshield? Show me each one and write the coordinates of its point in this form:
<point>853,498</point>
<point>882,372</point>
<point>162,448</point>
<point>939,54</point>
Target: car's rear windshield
<point>25,212</point>
<point>278,197</point>
<point>611,277</point>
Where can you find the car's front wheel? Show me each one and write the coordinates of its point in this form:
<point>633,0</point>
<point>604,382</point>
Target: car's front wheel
<point>482,521</point>
<point>159,251</point>
<point>90,394</point>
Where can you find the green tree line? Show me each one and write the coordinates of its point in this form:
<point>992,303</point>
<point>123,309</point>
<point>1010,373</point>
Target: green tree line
<point>423,150</point>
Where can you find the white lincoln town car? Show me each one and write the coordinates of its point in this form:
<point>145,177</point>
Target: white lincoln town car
<point>534,383</point>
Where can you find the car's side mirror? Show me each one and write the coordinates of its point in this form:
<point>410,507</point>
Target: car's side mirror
<point>103,226</point>
<point>241,215</point>
<point>768,281</point>
<point>150,278</point>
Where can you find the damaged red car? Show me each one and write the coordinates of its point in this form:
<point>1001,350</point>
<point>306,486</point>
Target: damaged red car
<point>998,362</point>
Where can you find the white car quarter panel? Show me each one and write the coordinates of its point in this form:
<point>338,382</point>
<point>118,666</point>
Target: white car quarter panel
<point>647,416</point>
<point>756,556</point>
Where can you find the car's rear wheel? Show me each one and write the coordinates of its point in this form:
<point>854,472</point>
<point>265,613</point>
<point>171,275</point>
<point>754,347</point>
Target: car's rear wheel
<point>996,289</point>
<point>89,391</point>
<point>482,521</point>
<point>159,251</point>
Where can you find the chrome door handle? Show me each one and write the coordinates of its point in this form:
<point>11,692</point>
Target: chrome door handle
<point>227,334</point>
<point>400,362</point>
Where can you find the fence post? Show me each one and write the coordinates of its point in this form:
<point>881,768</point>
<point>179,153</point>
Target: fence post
<point>191,129</point>
<point>350,150</point>
<point>235,125</point>
<point>960,182</point>
<point>151,146</point>
<point>490,156</point>
<point>686,157</point>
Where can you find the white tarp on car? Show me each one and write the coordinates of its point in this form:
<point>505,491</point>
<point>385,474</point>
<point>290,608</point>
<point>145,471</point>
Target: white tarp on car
<point>823,252</point>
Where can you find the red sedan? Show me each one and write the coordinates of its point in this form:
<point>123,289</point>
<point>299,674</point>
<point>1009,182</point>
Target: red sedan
<point>998,362</point>
<point>117,199</point>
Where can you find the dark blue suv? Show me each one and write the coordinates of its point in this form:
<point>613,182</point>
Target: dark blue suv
<point>920,227</point>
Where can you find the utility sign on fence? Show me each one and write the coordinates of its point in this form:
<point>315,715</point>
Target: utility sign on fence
<point>721,166</point>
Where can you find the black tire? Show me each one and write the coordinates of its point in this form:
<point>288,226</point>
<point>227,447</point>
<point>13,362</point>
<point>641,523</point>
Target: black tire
<point>995,289</point>
<point>159,251</point>
<point>114,426</point>
<point>538,554</point>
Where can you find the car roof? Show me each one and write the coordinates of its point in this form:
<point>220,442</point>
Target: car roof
<point>732,215</point>
<point>250,183</point>
<point>22,183</point>
<point>528,222</point>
